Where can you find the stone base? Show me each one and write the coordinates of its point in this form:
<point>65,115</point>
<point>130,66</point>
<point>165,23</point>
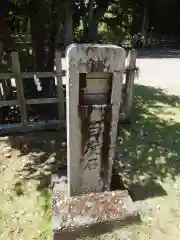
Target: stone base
<point>71,214</point>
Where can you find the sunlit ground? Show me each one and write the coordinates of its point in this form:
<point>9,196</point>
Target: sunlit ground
<point>148,159</point>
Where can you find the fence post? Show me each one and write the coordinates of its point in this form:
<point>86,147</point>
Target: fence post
<point>60,93</point>
<point>128,90</point>
<point>4,89</point>
<point>19,85</point>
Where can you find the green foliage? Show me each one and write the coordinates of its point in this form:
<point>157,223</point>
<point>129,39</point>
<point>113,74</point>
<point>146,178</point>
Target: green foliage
<point>117,19</point>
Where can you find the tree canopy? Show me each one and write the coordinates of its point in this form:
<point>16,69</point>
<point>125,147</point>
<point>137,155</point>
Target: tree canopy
<point>54,24</point>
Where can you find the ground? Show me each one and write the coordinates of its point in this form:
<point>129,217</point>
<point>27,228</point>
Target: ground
<point>25,170</point>
<point>147,158</point>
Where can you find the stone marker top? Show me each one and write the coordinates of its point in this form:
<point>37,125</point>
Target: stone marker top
<point>109,57</point>
<point>91,45</point>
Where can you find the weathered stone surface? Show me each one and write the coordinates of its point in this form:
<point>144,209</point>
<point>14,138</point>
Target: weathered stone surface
<point>72,213</point>
<point>93,93</point>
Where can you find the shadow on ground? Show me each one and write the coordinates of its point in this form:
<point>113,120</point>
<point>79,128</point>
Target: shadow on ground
<point>45,153</point>
<point>147,150</point>
<point>98,229</point>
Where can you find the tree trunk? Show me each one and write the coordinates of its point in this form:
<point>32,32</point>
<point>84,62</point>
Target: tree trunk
<point>53,30</point>
<point>92,19</point>
<point>38,41</point>
<point>38,31</point>
<point>44,59</point>
<point>69,25</point>
<point>144,25</point>
<point>91,22</point>
<point>49,85</point>
<point>5,34</point>
<point>93,31</point>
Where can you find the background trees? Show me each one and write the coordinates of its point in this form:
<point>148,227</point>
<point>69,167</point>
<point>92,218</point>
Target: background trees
<point>54,24</point>
<point>57,23</point>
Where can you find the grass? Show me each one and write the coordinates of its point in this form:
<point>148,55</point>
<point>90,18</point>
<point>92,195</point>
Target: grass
<point>25,193</point>
<point>23,210</point>
<point>147,158</point>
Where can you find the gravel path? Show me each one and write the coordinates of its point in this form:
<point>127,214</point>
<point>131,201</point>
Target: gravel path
<point>160,70</point>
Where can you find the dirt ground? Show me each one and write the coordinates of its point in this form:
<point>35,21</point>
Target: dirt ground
<point>26,165</point>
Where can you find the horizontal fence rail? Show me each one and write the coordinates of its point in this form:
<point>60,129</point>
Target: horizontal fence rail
<point>59,74</point>
<point>27,75</point>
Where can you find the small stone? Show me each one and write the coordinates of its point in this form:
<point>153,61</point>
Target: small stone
<point>113,194</point>
<point>7,149</point>
<point>158,207</point>
<point>51,160</point>
<point>7,155</point>
<point>63,144</point>
<point>4,138</point>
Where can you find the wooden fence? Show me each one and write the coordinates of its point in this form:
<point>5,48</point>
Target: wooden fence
<point>25,125</point>
<point>162,40</point>
<point>22,102</point>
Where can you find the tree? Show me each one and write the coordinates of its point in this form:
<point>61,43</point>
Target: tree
<point>5,34</point>
<point>90,13</point>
